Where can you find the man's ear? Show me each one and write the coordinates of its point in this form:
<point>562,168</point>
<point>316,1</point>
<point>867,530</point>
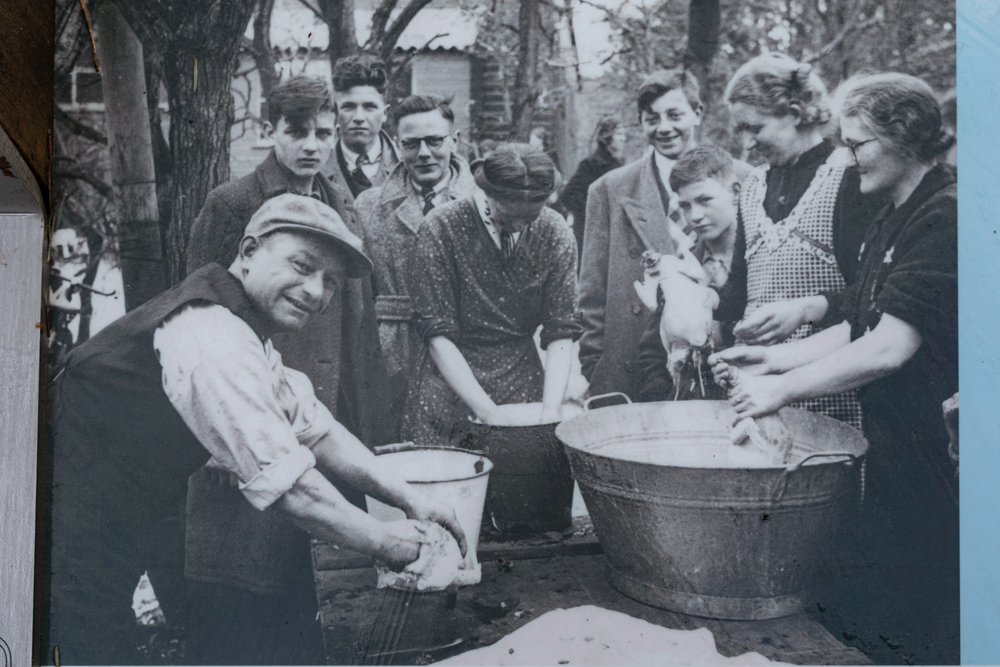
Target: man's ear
<point>268,130</point>
<point>458,137</point>
<point>796,110</point>
<point>249,247</point>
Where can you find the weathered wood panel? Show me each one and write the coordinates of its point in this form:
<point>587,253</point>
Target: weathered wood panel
<point>26,61</point>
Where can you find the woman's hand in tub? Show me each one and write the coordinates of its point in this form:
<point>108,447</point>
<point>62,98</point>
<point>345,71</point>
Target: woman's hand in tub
<point>757,396</point>
<point>400,543</point>
<point>746,359</point>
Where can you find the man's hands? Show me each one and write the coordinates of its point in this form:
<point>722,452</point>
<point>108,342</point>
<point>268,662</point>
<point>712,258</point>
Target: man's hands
<point>425,508</point>
<point>400,544</point>
<point>774,322</point>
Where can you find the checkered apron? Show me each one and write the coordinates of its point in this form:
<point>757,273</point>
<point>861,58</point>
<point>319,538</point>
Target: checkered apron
<point>794,258</point>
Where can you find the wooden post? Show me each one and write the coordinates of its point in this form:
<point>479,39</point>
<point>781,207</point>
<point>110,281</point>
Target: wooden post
<point>130,142</point>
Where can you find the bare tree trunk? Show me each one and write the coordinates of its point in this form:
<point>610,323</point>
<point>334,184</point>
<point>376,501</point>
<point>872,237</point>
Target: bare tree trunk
<point>339,17</point>
<point>199,55</point>
<point>704,19</point>
<point>526,91</point>
<point>132,174</point>
<point>263,56</point>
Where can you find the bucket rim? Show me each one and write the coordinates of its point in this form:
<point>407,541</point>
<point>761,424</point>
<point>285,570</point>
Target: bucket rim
<point>563,433</point>
<point>487,467</point>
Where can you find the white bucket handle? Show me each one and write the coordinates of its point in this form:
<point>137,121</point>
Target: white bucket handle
<point>586,404</point>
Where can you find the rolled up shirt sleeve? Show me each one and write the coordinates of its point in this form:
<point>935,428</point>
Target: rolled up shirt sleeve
<point>255,417</point>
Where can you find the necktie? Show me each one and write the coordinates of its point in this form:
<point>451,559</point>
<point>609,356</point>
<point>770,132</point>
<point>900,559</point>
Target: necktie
<point>428,194</point>
<point>506,243</point>
<point>358,174</point>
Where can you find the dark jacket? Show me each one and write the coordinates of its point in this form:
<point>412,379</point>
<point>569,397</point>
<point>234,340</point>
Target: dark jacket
<point>574,195</point>
<point>625,217</point>
<point>335,174</point>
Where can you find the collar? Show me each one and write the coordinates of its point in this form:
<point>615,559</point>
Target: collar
<point>440,186</point>
<point>459,185</point>
<point>273,178</point>
<point>664,165</point>
<point>815,156</point>
<point>374,153</point>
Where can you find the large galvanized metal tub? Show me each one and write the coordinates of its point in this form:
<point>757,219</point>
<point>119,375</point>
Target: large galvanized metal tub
<point>691,523</point>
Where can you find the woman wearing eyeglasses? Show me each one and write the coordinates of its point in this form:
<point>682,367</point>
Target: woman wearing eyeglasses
<point>899,346</point>
<point>801,215</point>
<point>492,268</point>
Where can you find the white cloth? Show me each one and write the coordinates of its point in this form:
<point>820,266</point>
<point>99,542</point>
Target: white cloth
<point>589,635</point>
<point>439,564</point>
<point>664,166</point>
<point>374,158</point>
<point>257,418</point>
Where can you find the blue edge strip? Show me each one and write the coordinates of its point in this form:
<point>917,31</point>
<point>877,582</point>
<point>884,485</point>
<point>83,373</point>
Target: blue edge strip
<point>979,325</point>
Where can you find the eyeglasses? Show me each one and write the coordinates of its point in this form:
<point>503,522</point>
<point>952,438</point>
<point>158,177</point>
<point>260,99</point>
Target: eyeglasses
<point>413,145</point>
<point>855,146</point>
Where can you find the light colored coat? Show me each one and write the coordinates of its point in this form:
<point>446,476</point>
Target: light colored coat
<point>389,217</point>
<point>625,218</point>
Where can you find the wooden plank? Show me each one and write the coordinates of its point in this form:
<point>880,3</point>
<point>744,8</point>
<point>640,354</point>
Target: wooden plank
<point>20,347</point>
<point>26,56</point>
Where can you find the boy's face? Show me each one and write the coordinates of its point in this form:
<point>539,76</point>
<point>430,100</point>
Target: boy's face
<point>303,149</point>
<point>361,111</point>
<point>670,123</point>
<point>709,205</point>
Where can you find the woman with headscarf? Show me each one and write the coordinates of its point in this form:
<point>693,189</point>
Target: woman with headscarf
<point>607,156</point>
<point>801,215</point>
<point>898,345</point>
<point>493,268</point>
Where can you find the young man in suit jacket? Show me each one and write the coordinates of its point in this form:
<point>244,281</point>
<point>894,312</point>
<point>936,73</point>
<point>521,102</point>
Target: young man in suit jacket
<point>631,210</point>
<point>365,156</point>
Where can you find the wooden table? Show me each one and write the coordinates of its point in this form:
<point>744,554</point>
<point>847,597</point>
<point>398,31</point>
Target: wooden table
<point>522,579</point>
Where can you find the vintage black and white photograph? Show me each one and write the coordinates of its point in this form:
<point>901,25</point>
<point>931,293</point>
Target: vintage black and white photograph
<point>502,332</point>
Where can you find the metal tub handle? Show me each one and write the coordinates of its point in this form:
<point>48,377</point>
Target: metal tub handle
<point>782,484</point>
<point>586,404</point>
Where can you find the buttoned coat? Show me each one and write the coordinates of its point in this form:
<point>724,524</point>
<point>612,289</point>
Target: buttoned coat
<point>625,218</point>
<point>390,158</point>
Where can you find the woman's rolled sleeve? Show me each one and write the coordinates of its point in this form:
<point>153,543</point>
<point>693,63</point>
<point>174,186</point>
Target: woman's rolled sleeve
<point>435,288</point>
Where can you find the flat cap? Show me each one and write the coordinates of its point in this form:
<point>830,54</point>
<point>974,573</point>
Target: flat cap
<point>297,213</point>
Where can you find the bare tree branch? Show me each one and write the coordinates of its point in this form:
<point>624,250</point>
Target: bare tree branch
<point>314,10</point>
<point>852,20</point>
<point>379,21</point>
<point>409,56</point>
<point>395,30</point>
<point>80,128</point>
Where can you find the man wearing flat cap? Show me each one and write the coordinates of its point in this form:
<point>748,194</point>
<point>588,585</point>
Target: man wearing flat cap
<point>191,376</point>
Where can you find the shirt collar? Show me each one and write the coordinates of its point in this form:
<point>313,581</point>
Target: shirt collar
<point>374,153</point>
<point>664,165</point>
<point>441,185</point>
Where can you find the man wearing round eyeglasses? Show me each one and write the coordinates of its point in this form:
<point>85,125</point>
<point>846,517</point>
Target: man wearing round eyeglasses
<point>429,175</point>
